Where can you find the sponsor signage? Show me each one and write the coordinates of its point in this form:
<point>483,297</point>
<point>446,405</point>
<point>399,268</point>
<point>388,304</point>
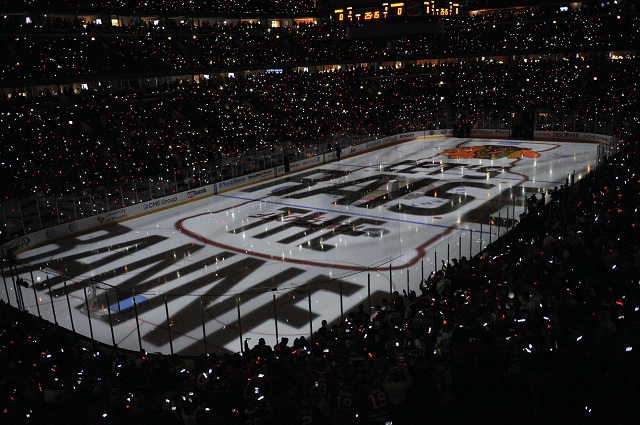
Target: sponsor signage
<point>45,235</point>
<point>15,245</point>
<point>481,132</point>
<point>375,143</point>
<point>298,165</point>
<point>153,204</point>
<point>563,135</point>
<point>113,216</point>
<point>192,193</point>
<point>260,175</point>
<point>249,178</point>
<point>226,184</point>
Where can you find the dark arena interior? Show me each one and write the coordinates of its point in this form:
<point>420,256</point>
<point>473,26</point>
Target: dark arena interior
<point>111,105</point>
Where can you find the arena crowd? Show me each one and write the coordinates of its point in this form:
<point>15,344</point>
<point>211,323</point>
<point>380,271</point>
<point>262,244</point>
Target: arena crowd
<point>542,327</point>
<point>61,47</point>
<point>99,139</point>
<point>89,132</point>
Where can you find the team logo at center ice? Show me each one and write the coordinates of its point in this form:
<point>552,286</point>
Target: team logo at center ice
<point>489,152</point>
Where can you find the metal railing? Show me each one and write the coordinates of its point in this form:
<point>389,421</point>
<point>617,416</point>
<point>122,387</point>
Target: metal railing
<point>112,316</point>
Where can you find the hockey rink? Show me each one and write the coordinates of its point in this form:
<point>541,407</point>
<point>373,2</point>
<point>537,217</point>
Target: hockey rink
<point>275,258</point>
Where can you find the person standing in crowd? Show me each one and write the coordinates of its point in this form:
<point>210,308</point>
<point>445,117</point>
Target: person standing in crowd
<point>324,330</point>
<point>396,385</point>
<point>361,317</point>
<point>345,402</point>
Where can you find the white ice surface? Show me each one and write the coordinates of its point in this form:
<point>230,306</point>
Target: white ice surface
<point>389,248</point>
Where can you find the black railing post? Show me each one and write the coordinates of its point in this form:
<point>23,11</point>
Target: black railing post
<point>408,290</point>
<point>204,329</point>
<point>368,291</point>
<point>35,294</point>
<point>341,302</point>
<point>66,293</point>
<point>166,310</point>
<point>239,324</point>
<point>113,338</point>
<point>53,308</point>
<point>135,311</point>
<point>86,302</point>
<point>310,314</point>
<point>275,314</point>
<point>6,288</point>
